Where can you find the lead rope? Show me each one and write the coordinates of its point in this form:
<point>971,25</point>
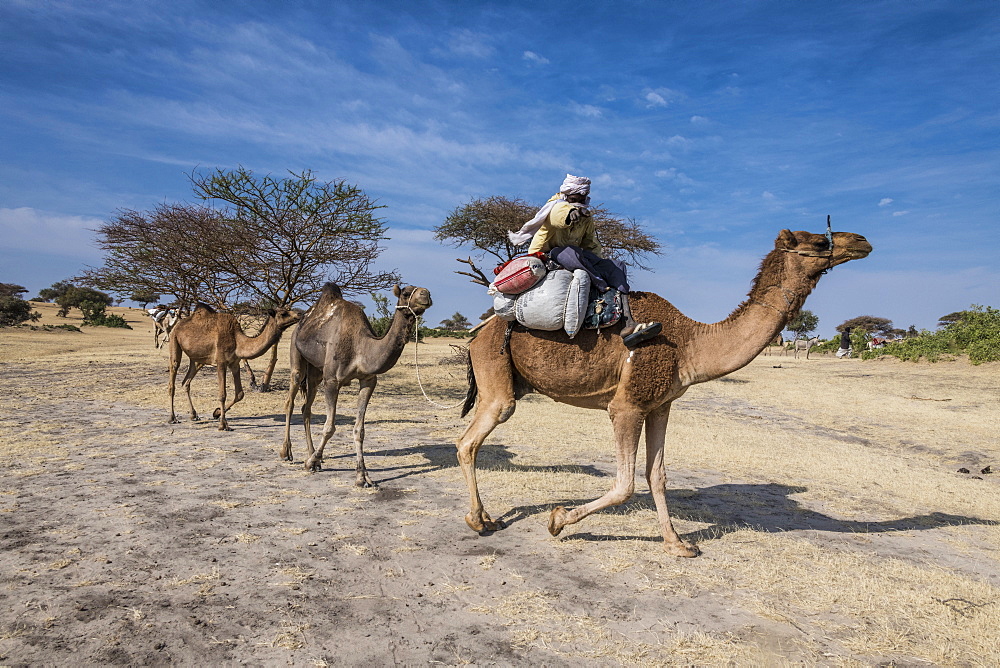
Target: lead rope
<point>416,365</point>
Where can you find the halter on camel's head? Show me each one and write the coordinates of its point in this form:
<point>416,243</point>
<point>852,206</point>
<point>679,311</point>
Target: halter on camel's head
<point>828,253</point>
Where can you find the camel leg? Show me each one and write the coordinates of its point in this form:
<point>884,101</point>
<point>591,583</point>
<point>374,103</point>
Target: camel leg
<point>627,421</point>
<point>496,404</point>
<point>234,370</point>
<point>293,390</point>
<point>221,374</point>
<point>175,362</point>
<point>656,429</point>
<point>364,396</point>
<point>331,390</point>
<point>313,380</point>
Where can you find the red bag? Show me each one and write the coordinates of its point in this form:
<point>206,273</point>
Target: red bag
<point>519,274</point>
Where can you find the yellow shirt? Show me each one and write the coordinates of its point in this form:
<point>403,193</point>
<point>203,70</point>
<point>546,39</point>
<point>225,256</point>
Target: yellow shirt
<point>557,231</point>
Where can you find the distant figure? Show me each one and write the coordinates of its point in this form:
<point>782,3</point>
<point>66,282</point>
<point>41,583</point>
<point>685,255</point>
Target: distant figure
<point>845,343</point>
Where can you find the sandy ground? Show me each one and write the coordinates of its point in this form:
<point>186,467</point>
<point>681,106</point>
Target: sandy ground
<point>824,494</point>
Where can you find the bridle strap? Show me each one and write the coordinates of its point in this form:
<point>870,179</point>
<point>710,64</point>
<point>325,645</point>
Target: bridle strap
<point>827,254</point>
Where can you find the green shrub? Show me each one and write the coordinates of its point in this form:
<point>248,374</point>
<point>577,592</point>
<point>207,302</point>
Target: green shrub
<point>975,333</point>
<point>14,311</point>
<point>95,316</point>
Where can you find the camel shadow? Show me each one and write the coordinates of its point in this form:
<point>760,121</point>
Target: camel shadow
<point>734,507</point>
<point>319,418</point>
<point>438,456</point>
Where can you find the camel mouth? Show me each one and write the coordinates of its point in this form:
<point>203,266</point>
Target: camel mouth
<point>855,248</point>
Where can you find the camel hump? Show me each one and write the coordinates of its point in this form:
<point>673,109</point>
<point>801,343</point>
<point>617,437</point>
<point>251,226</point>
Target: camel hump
<point>331,292</point>
<point>203,307</point>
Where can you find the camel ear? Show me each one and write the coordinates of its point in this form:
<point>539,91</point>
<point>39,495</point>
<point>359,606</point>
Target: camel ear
<point>396,290</point>
<point>786,240</point>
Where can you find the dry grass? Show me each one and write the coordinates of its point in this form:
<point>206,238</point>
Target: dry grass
<point>824,495</point>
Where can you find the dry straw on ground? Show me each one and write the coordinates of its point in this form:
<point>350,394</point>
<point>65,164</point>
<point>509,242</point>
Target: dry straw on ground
<point>824,494</point>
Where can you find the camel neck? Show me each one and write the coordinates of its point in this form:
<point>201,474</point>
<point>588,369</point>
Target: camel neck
<point>252,347</point>
<point>385,351</point>
<point>720,348</point>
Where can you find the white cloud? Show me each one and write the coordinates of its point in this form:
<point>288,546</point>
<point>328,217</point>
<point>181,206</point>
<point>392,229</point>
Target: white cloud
<point>899,213</point>
<point>672,174</point>
<point>587,110</point>
<point>699,120</point>
<point>655,99</point>
<point>29,229</point>
<point>533,57</point>
<point>660,97</point>
<point>468,43</point>
<point>768,196</point>
<point>885,201</point>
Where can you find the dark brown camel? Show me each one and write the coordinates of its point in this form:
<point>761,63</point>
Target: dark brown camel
<point>333,345</point>
<point>208,337</point>
<point>637,387</point>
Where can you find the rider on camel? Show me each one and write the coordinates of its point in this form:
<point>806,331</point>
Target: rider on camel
<point>564,229</point>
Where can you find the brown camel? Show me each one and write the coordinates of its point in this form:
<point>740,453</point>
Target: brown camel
<point>334,345</point>
<point>637,387</point>
<point>778,342</point>
<point>208,337</point>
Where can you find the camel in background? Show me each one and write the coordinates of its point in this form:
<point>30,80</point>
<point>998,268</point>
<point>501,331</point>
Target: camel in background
<point>637,387</point>
<point>208,337</point>
<point>333,345</point>
<point>164,320</point>
<point>778,342</point>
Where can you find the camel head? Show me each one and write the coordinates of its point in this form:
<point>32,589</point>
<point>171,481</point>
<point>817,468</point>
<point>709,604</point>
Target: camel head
<point>413,298</point>
<point>815,251</point>
<point>284,317</point>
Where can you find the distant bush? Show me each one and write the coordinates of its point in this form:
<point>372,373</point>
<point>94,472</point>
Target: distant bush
<point>14,311</point>
<point>975,333</point>
<point>440,332</point>
<point>94,315</point>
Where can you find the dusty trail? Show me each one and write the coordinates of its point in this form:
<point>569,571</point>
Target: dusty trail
<point>124,540</point>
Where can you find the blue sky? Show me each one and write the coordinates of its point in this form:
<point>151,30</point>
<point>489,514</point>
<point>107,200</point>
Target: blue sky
<point>713,124</point>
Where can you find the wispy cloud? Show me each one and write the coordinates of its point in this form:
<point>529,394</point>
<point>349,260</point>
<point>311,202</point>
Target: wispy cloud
<point>885,201</point>
<point>533,57</point>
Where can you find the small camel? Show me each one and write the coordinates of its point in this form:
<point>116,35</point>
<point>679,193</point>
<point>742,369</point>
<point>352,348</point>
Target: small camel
<point>778,342</point>
<point>208,337</point>
<point>637,387</point>
<point>163,324</point>
<point>334,344</point>
<point>806,345</point>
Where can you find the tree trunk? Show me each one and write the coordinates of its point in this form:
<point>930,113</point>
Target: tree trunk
<point>265,382</point>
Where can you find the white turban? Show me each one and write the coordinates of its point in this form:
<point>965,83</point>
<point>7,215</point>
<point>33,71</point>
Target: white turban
<point>575,185</point>
<point>571,185</point>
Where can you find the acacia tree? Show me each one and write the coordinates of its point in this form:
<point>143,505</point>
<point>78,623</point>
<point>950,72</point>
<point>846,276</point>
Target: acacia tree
<point>868,324</point>
<point>259,240</point>
<point>483,224</point>
<point>456,323</point>
<point>802,323</point>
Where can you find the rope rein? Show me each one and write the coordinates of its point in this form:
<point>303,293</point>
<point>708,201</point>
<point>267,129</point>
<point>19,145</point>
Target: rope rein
<point>416,364</point>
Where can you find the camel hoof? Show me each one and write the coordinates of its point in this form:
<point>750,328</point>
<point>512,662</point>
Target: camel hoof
<point>223,427</point>
<point>366,484</point>
<point>173,421</point>
<point>681,549</point>
<point>314,466</point>
<point>216,413</point>
<point>557,520</point>
<point>483,525</point>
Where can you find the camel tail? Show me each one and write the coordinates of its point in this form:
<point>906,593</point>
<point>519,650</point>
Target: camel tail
<point>470,397</point>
